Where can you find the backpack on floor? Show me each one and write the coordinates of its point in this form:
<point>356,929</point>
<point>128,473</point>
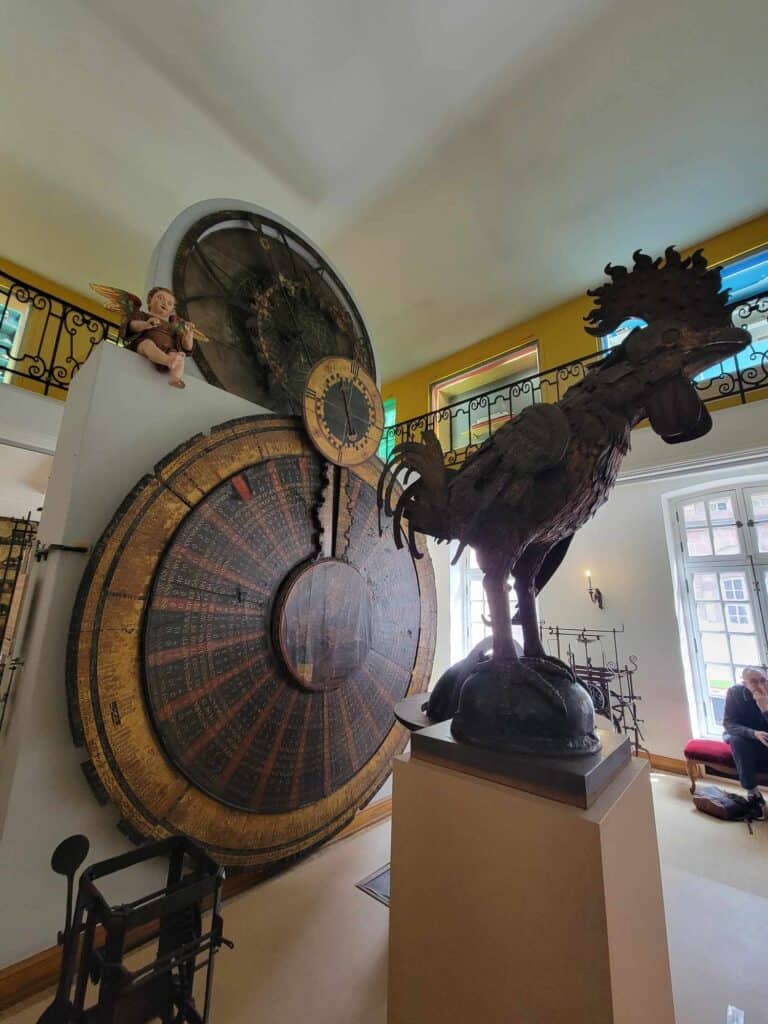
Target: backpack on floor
<point>726,806</point>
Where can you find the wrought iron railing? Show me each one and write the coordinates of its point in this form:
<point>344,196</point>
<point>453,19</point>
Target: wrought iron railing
<point>44,340</point>
<point>17,537</point>
<point>464,425</point>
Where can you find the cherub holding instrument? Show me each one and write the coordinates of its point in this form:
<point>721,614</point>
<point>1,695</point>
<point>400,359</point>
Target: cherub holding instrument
<point>157,334</point>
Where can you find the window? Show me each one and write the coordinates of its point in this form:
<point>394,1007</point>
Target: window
<point>470,618</point>
<point>472,418</point>
<point>616,337</point>
<point>723,556</point>
<point>743,279</point>
<point>388,437</point>
<point>11,331</point>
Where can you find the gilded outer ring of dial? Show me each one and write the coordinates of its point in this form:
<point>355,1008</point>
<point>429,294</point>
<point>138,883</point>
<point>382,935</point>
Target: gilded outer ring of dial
<point>108,709</point>
<point>338,387</point>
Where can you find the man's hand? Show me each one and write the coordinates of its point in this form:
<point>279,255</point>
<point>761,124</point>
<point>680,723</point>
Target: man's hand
<point>762,737</point>
<point>760,693</point>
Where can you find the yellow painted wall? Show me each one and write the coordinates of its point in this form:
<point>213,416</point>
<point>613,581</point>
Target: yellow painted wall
<point>42,334</point>
<point>559,331</point>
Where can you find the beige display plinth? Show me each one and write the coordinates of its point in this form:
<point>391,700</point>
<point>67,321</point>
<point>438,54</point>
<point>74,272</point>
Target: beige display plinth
<point>508,907</point>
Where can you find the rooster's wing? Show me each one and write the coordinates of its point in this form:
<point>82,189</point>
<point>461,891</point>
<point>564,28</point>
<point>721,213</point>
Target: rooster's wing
<point>504,468</point>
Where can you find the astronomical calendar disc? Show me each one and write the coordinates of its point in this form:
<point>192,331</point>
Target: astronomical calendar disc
<point>270,302</point>
<point>207,703</point>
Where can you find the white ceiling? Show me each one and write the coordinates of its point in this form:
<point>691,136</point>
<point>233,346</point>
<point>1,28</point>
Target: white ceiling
<point>465,163</point>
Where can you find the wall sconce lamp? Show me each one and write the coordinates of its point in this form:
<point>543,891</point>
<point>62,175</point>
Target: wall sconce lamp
<point>595,594</point>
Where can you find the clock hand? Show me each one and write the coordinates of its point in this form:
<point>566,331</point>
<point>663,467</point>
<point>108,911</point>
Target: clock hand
<point>349,431</point>
<point>336,492</point>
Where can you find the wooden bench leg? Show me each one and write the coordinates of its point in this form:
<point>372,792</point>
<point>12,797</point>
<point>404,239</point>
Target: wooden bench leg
<point>695,772</point>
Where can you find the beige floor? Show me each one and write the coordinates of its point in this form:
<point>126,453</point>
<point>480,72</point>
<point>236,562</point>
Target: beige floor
<point>311,947</point>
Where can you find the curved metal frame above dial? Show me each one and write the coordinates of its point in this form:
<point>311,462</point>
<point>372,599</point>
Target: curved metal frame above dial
<point>271,302</point>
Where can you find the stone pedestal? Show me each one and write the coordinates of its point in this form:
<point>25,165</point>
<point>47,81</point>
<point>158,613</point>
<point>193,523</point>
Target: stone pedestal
<point>512,907</point>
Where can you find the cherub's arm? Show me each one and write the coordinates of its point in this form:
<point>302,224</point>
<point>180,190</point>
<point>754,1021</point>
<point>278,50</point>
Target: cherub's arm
<point>134,326</point>
<point>188,337</point>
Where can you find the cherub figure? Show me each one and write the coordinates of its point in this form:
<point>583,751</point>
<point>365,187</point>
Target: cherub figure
<point>157,334</point>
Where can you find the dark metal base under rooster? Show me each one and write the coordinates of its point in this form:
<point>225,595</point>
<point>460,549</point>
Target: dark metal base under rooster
<point>526,706</point>
<point>577,781</point>
<point>518,705</point>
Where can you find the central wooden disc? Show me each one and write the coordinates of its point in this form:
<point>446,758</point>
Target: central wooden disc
<point>323,624</point>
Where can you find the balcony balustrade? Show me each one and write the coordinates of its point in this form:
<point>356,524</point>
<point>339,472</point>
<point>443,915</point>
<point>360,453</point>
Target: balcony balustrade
<point>464,425</point>
<point>44,340</point>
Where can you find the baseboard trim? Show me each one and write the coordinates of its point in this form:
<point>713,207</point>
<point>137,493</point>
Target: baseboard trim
<point>36,973</point>
<point>675,765</point>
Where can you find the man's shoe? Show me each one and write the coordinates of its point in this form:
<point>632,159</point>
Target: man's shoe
<point>757,805</point>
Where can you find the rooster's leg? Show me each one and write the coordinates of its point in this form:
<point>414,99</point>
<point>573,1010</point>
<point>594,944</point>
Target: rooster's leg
<point>526,611</point>
<point>495,584</point>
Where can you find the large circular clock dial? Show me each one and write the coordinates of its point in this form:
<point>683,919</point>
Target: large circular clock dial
<point>229,682</point>
<point>343,411</point>
<point>271,303</point>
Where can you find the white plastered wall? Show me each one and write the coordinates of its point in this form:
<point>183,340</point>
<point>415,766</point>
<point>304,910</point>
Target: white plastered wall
<point>119,420</point>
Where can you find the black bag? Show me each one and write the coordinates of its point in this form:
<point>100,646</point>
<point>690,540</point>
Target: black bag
<point>726,806</point>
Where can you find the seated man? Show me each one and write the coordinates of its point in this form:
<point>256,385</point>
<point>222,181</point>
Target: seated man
<point>745,725</point>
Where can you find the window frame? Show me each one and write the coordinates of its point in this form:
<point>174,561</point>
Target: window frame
<point>750,561</point>
<point>456,395</point>
<point>463,574</point>
<point>9,303</point>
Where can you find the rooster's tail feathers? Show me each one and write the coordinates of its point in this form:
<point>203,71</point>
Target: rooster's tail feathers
<point>424,457</point>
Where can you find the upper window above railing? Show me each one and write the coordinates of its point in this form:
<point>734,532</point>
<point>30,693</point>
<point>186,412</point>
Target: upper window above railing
<point>474,414</point>
<point>11,333</point>
<point>616,337</point>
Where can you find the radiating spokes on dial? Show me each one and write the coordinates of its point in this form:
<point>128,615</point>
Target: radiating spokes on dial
<point>225,265</point>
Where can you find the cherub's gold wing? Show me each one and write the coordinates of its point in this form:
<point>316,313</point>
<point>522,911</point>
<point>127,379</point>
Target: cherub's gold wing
<point>118,300</point>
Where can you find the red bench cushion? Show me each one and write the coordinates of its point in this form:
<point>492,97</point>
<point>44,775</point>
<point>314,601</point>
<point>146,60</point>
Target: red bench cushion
<point>714,751</point>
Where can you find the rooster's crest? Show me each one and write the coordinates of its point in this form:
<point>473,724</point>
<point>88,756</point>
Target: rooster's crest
<point>676,290</point>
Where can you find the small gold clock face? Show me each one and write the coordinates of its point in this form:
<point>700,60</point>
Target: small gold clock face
<point>343,411</point>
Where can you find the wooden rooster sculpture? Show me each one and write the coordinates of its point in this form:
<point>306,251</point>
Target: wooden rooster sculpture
<point>520,498</point>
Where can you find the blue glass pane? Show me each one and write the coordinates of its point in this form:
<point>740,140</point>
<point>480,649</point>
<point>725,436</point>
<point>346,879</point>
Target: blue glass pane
<point>616,337</point>
<point>746,277</point>
<point>726,367</point>
<point>9,325</point>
